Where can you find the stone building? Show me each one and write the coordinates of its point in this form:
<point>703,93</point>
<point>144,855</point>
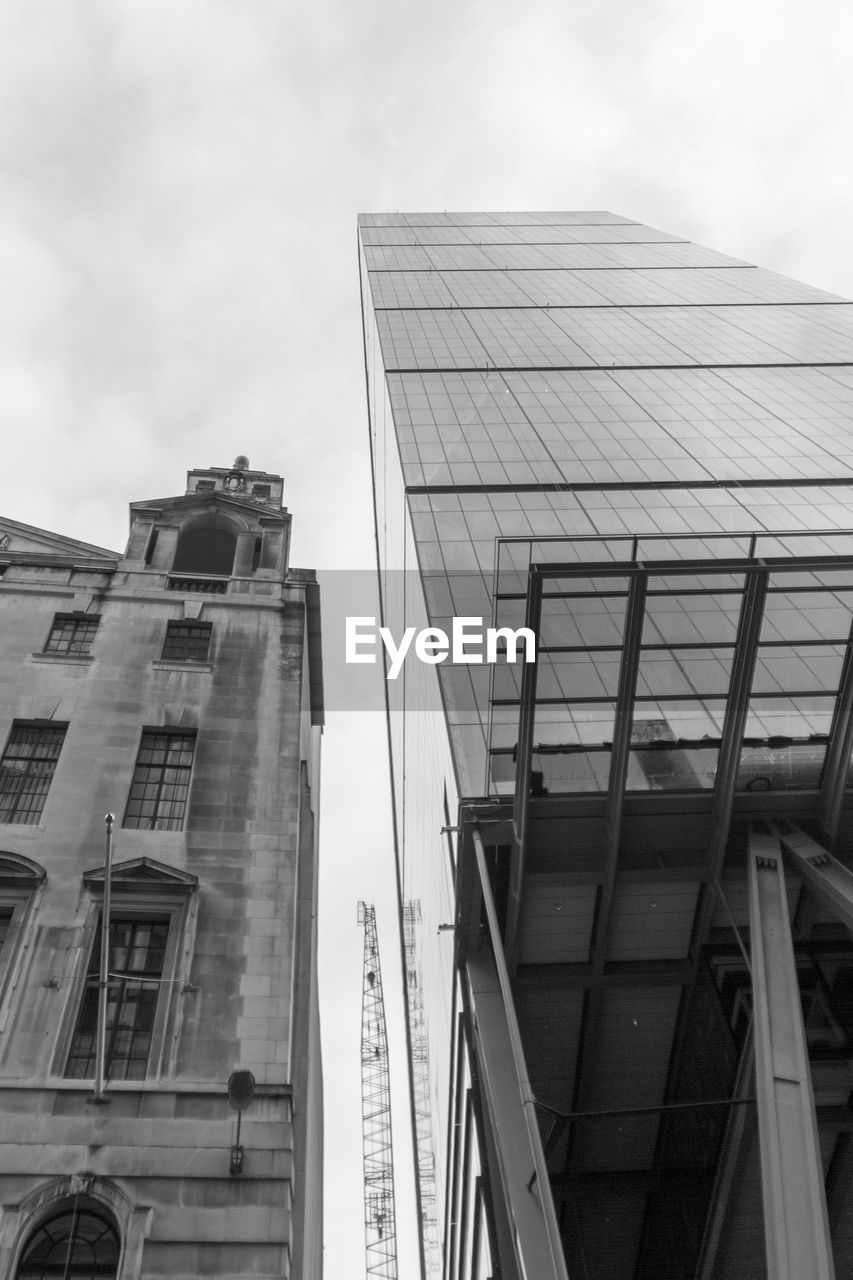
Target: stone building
<point>626,867</point>
<point>178,686</point>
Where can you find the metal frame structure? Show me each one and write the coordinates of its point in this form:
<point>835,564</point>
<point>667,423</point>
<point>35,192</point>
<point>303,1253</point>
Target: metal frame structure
<point>796,1227</point>
<point>791,1174</point>
<point>757,574</point>
<point>427,1194</point>
<point>380,1228</point>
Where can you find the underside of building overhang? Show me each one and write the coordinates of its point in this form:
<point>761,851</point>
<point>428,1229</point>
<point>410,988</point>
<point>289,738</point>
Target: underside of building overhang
<point>664,842</point>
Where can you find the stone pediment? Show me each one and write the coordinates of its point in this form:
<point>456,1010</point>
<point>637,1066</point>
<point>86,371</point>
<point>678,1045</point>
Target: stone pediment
<point>188,503</point>
<point>19,872</point>
<point>143,874</point>
<point>16,538</point>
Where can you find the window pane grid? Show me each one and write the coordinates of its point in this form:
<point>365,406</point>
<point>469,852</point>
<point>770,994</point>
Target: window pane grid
<point>187,642</point>
<point>26,770</point>
<point>71,635</point>
<point>137,951</point>
<point>77,1244</point>
<point>161,780</point>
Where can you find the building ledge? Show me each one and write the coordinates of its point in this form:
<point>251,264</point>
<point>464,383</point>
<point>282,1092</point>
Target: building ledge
<point>72,659</point>
<point>165,664</point>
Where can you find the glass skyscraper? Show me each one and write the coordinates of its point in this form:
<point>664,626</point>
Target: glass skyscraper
<point>625,896</point>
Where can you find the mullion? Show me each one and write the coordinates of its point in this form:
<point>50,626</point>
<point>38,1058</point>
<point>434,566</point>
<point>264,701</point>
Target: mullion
<point>127,987</point>
<point>187,642</point>
<point>160,785</point>
<point>26,771</point>
<point>71,635</point>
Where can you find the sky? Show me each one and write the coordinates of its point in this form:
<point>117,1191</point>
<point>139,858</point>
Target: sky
<point>179,183</point>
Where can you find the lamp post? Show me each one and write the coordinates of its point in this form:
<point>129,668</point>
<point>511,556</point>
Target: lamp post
<point>241,1091</point>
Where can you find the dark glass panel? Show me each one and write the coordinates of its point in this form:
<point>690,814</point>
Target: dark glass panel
<point>205,550</point>
<point>74,1244</point>
<point>161,781</point>
<point>72,634</point>
<point>187,641</point>
<point>26,770</point>
<point>137,950</point>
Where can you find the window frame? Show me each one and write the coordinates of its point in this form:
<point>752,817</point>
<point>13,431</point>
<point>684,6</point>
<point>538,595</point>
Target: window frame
<point>109,1271</point>
<point>170,823</point>
<point>20,881</point>
<point>100,1193</point>
<point>142,981</point>
<point>141,889</point>
<point>175,626</point>
<point>89,622</point>
<point>34,816</point>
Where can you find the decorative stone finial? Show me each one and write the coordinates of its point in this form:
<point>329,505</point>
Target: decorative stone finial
<point>241,462</point>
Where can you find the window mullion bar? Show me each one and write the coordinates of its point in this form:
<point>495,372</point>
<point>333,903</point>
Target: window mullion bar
<point>521,804</point>
<point>743,667</point>
<point>838,753</point>
<point>619,756</point>
<point>160,777</point>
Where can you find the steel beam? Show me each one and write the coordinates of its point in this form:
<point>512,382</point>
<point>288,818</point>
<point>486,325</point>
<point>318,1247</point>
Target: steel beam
<point>825,876</point>
<point>796,1227</point>
<point>743,667</point>
<point>468,898</point>
<point>728,1163</point>
<point>682,568</point>
<point>524,757</point>
<point>521,1157</point>
<point>629,667</point>
<point>836,769</point>
<point>623,720</point>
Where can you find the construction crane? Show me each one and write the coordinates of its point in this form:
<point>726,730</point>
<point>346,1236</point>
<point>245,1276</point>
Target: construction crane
<point>419,1048</point>
<point>380,1227</point>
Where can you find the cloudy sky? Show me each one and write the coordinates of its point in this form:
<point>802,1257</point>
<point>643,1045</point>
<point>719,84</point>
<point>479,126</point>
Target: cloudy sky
<point>179,278</point>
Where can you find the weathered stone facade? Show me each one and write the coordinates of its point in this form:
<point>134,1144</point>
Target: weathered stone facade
<point>234,882</point>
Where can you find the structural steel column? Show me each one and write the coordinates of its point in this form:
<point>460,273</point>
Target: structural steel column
<point>509,1097</point>
<point>829,880</point>
<point>837,767</point>
<point>796,1227</point>
<point>524,760</point>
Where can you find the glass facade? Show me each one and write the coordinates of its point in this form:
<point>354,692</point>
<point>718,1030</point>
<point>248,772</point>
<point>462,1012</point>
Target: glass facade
<point>659,436</point>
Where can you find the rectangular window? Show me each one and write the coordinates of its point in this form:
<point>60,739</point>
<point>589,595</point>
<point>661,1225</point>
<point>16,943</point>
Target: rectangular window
<point>137,951</point>
<point>27,766</point>
<point>161,781</point>
<point>205,486</point>
<point>151,546</point>
<point>72,633</point>
<point>187,642</point>
<point>5,925</point>
<point>261,492</point>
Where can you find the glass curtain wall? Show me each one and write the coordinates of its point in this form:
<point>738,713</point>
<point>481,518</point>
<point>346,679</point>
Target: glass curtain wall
<point>578,389</point>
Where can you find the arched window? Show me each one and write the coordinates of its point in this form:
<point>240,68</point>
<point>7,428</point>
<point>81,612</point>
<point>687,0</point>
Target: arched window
<point>79,1242</point>
<point>205,549</point>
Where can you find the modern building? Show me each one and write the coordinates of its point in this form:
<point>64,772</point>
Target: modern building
<point>626,900</point>
<point>178,687</point>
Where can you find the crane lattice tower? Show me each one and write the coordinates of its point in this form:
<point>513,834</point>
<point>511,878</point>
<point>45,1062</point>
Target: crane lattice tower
<point>380,1228</point>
